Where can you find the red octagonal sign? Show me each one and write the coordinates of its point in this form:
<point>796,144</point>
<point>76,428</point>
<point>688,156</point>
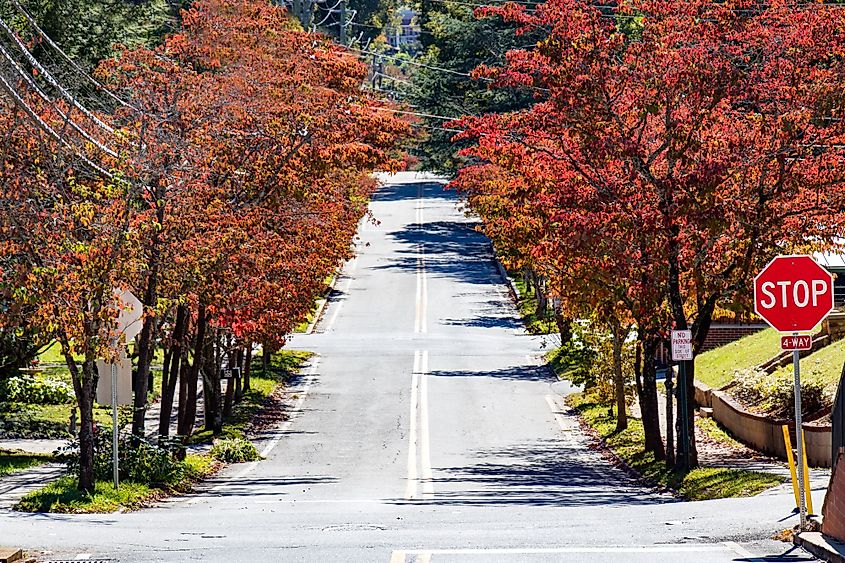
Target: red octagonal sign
<point>793,293</point>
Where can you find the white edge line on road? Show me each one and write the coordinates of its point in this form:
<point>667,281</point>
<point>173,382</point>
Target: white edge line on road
<point>397,557</point>
<point>425,446</point>
<point>677,548</point>
<point>411,487</point>
<point>558,417</point>
<point>276,438</point>
<point>296,409</point>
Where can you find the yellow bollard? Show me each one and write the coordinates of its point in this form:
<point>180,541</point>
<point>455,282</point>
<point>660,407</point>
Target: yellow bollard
<point>807,487</point>
<point>788,443</point>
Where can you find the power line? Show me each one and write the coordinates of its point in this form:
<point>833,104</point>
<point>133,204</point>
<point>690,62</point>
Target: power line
<point>414,63</point>
<point>31,21</point>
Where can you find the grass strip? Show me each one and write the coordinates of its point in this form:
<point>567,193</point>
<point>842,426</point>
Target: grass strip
<point>703,483</point>
<point>283,364</point>
<point>527,305</point>
<point>62,496</point>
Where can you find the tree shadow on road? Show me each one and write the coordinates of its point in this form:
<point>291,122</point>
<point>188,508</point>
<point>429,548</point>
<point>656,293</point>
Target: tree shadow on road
<point>516,373</point>
<point>543,473</point>
<point>263,486</point>
<point>399,192</point>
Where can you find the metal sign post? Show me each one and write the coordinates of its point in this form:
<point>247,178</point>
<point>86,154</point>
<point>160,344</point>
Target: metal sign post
<point>682,353</point>
<point>799,439</point>
<point>114,421</point>
<point>130,313</point>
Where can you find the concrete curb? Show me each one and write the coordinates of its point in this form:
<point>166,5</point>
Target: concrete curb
<point>823,547</point>
<point>321,307</point>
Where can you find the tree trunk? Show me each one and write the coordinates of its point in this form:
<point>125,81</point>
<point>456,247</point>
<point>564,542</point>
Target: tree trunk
<point>188,416</point>
<point>83,388</point>
<point>648,401</point>
<point>211,387</point>
<point>670,438</point>
<point>619,377</point>
<point>540,295</point>
<point>564,325</point>
<point>247,366</point>
<point>172,370</point>
<point>229,398</point>
<point>265,360</point>
<point>239,392</point>
<point>690,385</point>
<point>146,344</point>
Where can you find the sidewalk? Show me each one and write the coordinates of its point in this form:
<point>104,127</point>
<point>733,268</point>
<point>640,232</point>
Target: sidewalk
<point>823,547</point>
<point>13,487</point>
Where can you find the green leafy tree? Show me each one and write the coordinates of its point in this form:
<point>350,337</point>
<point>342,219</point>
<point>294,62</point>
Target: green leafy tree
<point>88,30</point>
<point>457,42</point>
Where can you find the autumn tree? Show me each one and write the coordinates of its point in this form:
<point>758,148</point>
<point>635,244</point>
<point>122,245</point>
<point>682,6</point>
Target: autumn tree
<point>700,139</point>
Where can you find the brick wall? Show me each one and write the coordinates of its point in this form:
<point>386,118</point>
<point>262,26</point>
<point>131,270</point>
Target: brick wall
<point>834,503</point>
<point>721,334</point>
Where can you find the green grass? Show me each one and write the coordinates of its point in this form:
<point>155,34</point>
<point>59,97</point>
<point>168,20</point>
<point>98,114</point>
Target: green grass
<point>12,461</point>
<point>24,420</point>
<point>62,496</point>
<point>699,484</point>
<point>282,365</point>
<point>823,367</point>
<point>569,362</point>
<point>53,355</point>
<point>717,433</point>
<point>21,420</point>
<point>309,318</point>
<point>716,367</point>
<point>527,305</point>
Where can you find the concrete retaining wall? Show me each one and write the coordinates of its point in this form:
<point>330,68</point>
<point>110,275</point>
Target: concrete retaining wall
<point>703,394</point>
<point>763,433</point>
<point>760,432</point>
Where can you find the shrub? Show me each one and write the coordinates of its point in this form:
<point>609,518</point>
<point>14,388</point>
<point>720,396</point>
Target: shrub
<point>234,450</point>
<point>35,390</point>
<point>149,464</point>
<point>773,394</point>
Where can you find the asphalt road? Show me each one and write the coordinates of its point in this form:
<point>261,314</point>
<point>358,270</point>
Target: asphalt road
<point>426,430</point>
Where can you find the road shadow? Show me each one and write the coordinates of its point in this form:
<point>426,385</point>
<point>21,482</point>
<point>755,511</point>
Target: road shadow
<point>400,192</point>
<point>261,486</point>
<point>452,250</point>
<point>792,554</point>
<point>485,321</point>
<point>543,473</point>
<point>515,373</point>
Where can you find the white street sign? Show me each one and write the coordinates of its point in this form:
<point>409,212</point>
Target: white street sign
<point>124,381</point>
<point>681,345</point>
<point>129,319</point>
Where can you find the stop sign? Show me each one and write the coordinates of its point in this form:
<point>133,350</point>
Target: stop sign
<point>793,293</point>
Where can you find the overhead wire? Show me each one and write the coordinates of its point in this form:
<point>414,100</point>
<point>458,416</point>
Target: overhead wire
<point>79,70</point>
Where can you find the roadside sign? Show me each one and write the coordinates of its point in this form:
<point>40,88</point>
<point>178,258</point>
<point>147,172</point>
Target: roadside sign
<point>681,345</point>
<point>797,342</point>
<point>122,381</point>
<point>793,293</point>
<point>129,318</point>
<point>230,373</point>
